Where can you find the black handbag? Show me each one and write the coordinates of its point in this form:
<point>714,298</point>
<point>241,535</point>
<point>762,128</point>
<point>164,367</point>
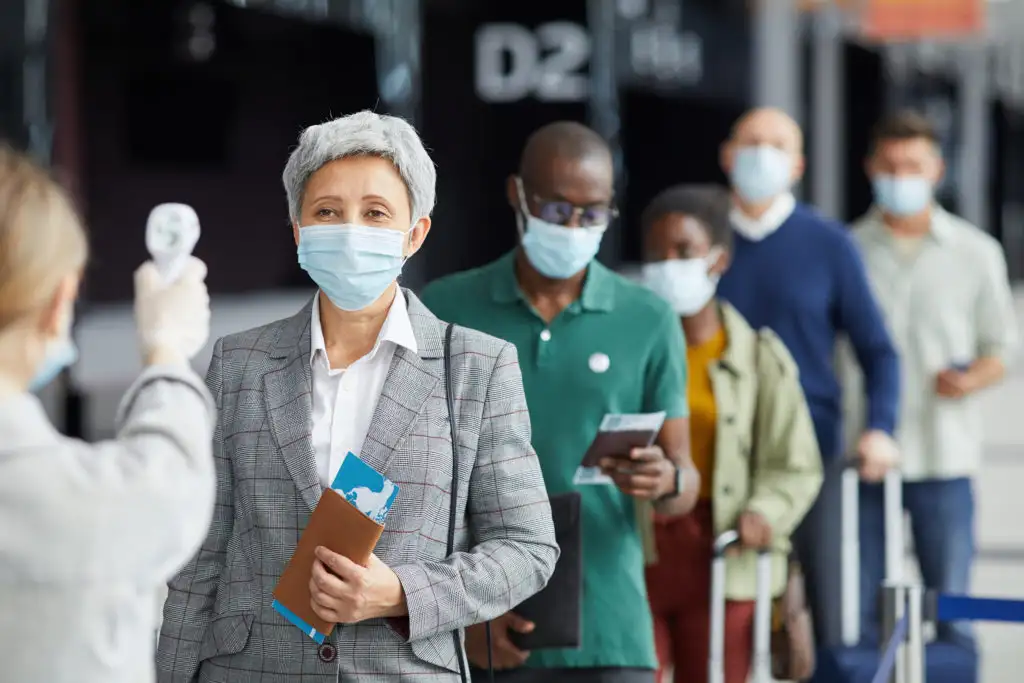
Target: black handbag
<point>557,611</point>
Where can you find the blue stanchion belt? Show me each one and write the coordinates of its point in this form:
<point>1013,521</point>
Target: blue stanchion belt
<point>966,608</point>
<point>885,667</point>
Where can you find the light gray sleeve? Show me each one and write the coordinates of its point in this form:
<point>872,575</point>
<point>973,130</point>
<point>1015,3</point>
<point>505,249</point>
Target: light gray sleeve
<point>996,317</point>
<point>136,507</point>
<point>510,517</point>
<point>192,592</point>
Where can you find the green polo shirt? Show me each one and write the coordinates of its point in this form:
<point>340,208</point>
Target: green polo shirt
<point>618,349</point>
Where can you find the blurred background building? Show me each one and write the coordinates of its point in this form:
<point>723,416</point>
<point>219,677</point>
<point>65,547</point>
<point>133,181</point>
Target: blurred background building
<point>199,101</point>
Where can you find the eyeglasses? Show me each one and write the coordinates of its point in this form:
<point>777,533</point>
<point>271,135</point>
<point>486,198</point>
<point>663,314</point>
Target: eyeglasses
<point>563,213</point>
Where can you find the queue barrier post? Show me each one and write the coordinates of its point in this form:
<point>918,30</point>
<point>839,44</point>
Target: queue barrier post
<point>894,598</point>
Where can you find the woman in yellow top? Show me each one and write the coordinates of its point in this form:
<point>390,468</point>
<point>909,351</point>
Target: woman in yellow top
<point>751,439</point>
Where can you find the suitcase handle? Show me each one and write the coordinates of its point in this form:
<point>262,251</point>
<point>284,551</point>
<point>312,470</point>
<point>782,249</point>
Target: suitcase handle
<point>762,611</point>
<point>850,548</point>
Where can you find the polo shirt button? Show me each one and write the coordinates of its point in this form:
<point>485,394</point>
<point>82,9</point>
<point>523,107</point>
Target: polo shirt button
<point>726,490</point>
<point>729,419</point>
<point>327,653</point>
<point>545,335</point>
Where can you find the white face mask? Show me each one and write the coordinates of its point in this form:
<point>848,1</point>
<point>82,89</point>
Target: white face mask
<point>684,283</point>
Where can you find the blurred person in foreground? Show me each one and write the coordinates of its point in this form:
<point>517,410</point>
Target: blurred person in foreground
<point>751,439</point>
<point>91,531</point>
<point>800,274</point>
<point>593,343</point>
<point>360,369</point>
<point>943,287</point>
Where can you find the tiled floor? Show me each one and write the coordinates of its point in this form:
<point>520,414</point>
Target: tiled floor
<point>1000,492</point>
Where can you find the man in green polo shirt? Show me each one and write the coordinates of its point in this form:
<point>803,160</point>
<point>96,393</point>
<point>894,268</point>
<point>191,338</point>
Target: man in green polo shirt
<point>590,343</point>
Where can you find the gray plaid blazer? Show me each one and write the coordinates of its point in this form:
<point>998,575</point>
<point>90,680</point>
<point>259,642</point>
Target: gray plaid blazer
<point>218,624</point>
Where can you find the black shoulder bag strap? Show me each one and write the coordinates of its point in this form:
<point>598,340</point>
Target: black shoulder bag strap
<point>454,495</point>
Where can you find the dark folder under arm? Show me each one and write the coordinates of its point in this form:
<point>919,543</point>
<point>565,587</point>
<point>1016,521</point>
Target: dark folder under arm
<point>557,610</point>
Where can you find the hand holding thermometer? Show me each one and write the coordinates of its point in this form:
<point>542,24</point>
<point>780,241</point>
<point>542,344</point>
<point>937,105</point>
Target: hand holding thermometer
<point>171,234</point>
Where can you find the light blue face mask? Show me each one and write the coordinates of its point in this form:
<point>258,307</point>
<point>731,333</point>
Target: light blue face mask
<point>554,250</point>
<point>559,252</point>
<point>761,173</point>
<point>351,264</point>
<point>61,354</point>
<point>902,196</point>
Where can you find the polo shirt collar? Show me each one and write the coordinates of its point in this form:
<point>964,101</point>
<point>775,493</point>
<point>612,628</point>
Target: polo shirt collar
<point>598,289</point>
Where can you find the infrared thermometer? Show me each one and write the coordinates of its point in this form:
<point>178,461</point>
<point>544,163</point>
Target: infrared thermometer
<point>171,234</point>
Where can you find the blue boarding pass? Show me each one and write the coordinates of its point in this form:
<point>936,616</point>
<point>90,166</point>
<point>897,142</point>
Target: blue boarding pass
<point>297,621</point>
<point>365,488</point>
<point>368,491</point>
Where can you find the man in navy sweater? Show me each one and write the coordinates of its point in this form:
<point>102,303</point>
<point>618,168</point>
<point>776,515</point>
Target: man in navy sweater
<point>800,274</point>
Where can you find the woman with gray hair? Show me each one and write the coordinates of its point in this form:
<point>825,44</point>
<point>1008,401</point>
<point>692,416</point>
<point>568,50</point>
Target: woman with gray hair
<point>364,369</point>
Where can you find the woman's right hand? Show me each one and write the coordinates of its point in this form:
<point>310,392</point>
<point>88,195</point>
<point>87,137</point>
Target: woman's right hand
<point>173,320</point>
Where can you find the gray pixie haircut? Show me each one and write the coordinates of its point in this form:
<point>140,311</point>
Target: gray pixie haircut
<point>363,134</point>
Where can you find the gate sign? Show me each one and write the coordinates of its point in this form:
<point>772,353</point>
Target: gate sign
<point>549,63</point>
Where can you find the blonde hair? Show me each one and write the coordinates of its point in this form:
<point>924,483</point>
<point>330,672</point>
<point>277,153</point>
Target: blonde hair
<point>41,237</point>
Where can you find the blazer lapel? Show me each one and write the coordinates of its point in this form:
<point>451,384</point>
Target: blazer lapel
<point>410,383</point>
<point>287,393</point>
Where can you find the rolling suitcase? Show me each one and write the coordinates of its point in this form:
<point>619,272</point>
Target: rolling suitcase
<point>854,661</point>
<point>761,668</point>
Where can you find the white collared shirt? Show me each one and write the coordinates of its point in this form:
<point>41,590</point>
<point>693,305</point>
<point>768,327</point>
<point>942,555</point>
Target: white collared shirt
<point>344,400</point>
<point>756,229</point>
<point>947,301</point>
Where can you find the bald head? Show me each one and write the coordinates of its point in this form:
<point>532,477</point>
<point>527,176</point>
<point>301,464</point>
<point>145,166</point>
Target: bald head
<point>768,126</point>
<point>565,140</point>
<point>763,157</point>
<point>564,161</point>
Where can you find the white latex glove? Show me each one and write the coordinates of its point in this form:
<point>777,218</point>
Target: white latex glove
<point>878,454</point>
<point>173,320</point>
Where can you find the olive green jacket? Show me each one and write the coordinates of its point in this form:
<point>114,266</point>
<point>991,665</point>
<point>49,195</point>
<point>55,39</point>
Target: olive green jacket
<point>766,452</point>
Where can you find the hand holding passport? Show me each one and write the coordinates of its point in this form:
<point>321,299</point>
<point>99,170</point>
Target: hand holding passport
<point>348,520</point>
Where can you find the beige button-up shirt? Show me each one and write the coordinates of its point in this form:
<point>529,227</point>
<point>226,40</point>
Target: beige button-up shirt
<point>947,300</point>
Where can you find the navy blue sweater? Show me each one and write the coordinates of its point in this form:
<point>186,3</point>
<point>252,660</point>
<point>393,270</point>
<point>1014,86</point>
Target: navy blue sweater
<point>806,281</point>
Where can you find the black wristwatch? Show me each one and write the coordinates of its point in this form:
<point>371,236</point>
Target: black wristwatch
<point>680,485</point>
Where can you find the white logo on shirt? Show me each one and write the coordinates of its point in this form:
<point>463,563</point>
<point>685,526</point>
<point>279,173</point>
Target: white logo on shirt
<point>599,362</point>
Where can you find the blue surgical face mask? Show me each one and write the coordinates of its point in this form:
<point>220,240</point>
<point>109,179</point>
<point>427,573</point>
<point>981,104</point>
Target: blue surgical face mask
<point>761,173</point>
<point>902,196</point>
<point>352,264</point>
<point>559,252</point>
<point>554,250</point>
<point>61,354</point>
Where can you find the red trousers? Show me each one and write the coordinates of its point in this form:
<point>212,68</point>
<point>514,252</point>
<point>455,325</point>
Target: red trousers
<point>679,586</point>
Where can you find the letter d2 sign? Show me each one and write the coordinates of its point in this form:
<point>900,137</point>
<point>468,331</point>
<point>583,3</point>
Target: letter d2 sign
<point>513,62</point>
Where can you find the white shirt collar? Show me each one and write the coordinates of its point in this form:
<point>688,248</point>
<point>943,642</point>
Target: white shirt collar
<point>397,329</point>
<point>756,229</point>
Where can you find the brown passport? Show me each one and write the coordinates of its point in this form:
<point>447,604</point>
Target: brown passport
<point>616,444</point>
<point>336,525</point>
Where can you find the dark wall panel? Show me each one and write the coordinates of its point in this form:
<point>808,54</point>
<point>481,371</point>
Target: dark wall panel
<point>12,45</point>
<point>216,134</point>
<point>865,104</point>
<point>668,141</point>
<point>476,144</point>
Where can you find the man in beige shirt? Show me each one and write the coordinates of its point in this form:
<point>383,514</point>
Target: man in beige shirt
<point>943,289</point>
